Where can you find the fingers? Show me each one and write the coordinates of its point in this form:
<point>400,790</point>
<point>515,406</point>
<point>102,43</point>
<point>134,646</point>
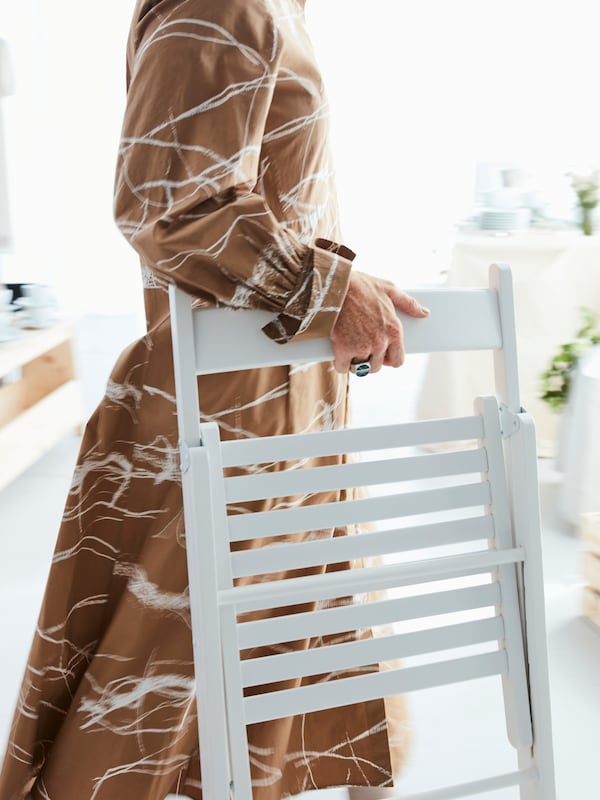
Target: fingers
<point>348,348</point>
<point>368,328</point>
<point>395,356</point>
<point>341,365</point>
<point>387,352</point>
<point>344,355</point>
<point>341,362</point>
<point>388,344</point>
<point>376,362</point>
<point>406,303</point>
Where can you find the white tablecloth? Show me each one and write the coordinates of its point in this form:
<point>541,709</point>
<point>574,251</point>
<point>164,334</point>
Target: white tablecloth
<point>554,274</point>
<point>580,491</point>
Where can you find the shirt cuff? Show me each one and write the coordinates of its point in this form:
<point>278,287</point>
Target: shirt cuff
<point>312,311</point>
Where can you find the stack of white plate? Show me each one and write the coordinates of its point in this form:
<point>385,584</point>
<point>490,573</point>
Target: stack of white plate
<point>504,219</point>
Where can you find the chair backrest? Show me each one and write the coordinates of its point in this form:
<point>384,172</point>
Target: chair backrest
<point>222,340</point>
<point>431,500</point>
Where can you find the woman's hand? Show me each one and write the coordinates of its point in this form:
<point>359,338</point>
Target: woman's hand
<point>367,328</point>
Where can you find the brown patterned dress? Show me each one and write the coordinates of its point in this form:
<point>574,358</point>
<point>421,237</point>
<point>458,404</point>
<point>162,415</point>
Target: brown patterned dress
<point>224,186</point>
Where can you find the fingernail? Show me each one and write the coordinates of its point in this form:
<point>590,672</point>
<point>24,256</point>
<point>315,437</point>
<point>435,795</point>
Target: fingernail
<point>425,310</point>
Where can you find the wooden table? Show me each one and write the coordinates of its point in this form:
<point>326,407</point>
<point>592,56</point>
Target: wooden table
<point>40,396</point>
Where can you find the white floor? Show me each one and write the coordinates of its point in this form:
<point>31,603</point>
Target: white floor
<point>443,727</point>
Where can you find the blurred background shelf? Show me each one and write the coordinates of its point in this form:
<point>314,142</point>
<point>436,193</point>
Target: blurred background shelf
<point>40,397</point>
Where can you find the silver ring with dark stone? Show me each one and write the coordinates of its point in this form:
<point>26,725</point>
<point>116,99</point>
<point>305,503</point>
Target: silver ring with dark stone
<point>361,368</point>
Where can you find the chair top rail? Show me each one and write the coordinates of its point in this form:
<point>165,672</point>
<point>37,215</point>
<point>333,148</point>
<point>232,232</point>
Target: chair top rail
<point>334,550</point>
<point>460,319</point>
<point>262,524</point>
<point>288,483</point>
<point>289,447</point>
<point>311,588</point>
<point>327,621</point>
<point>362,688</point>
<point>327,659</point>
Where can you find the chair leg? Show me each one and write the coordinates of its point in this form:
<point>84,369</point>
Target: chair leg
<point>530,791</point>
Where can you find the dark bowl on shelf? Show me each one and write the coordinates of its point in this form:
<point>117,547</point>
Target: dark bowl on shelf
<point>17,289</point>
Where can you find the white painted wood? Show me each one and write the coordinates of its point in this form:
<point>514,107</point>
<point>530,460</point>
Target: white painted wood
<point>184,358</point>
<point>470,789</point>
<point>357,440</point>
<point>254,597</point>
<point>526,515</point>
<point>211,444</point>
<point>505,359</point>
<point>345,691</point>
<point>349,512</point>
<point>514,683</point>
<point>512,601</point>
<point>342,657</point>
<point>344,476</point>
<point>238,736</point>
<point>274,630</point>
<point>206,640</point>
<point>237,751</point>
<point>281,557</point>
<point>461,319</point>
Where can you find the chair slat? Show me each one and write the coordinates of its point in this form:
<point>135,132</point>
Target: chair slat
<point>306,625</point>
<point>349,512</point>
<point>310,588</point>
<point>347,691</point>
<point>351,655</point>
<point>477,788</point>
<point>344,476</point>
<point>279,557</point>
<point>271,449</point>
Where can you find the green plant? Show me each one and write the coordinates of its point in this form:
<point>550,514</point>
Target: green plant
<point>556,380</point>
<point>587,189</point>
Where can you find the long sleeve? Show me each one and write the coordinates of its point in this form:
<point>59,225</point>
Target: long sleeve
<point>202,78</point>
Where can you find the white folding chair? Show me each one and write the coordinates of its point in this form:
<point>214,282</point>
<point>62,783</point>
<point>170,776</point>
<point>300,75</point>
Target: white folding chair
<point>494,517</point>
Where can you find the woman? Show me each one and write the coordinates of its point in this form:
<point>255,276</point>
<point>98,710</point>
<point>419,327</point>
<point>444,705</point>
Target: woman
<point>224,186</point>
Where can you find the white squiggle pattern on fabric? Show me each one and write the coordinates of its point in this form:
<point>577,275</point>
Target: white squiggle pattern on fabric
<point>149,593</point>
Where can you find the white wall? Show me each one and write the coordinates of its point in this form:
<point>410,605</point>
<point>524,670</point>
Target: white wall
<point>66,117</point>
<point>423,89</point>
<point>420,91</point>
